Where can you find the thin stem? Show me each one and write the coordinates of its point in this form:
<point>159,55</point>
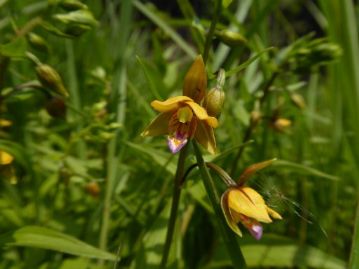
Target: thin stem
<point>174,206</point>
<point>220,172</point>
<point>250,129</point>
<point>207,44</point>
<point>229,238</point>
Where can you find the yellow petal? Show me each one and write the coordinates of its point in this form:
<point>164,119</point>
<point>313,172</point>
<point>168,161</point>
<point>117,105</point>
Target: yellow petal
<point>274,214</point>
<point>205,136</point>
<point>201,114</point>
<point>195,82</point>
<point>170,104</point>
<point>5,158</point>
<point>227,214</point>
<point>158,126</point>
<point>248,202</point>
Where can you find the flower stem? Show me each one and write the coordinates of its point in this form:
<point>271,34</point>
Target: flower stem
<point>251,127</point>
<point>174,206</point>
<point>212,28</point>
<point>229,238</point>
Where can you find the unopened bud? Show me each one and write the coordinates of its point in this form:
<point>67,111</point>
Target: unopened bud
<point>50,79</point>
<point>213,102</point>
<point>78,17</point>
<point>38,42</point>
<point>230,38</point>
<point>5,123</point>
<point>255,118</point>
<point>5,158</point>
<point>56,107</point>
<point>298,100</point>
<point>93,189</point>
<point>72,5</point>
<point>281,124</point>
<point>195,82</point>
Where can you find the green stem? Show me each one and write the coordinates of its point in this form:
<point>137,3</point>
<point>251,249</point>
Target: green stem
<point>354,253</point>
<point>74,95</point>
<point>229,238</point>
<point>212,28</point>
<point>174,206</point>
<point>252,126</point>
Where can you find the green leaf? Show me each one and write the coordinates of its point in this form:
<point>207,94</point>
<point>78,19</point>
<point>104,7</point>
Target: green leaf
<point>40,237</point>
<point>15,48</point>
<point>278,252</point>
<point>226,3</point>
<point>246,63</point>
<point>303,169</point>
<point>164,26</point>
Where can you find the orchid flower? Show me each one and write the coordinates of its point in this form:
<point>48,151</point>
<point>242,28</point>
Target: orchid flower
<point>246,206</point>
<point>182,118</point>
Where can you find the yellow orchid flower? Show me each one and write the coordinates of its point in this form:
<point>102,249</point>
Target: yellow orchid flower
<point>182,117</point>
<point>245,205</point>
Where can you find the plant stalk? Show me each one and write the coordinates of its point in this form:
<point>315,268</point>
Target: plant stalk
<point>250,129</point>
<point>174,206</point>
<point>229,238</point>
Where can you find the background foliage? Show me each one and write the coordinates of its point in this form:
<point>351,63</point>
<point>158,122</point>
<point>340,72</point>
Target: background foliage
<point>85,190</point>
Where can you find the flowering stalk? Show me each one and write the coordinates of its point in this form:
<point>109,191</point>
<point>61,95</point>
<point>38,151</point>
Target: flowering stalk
<point>174,206</point>
<point>230,241</point>
<point>253,124</point>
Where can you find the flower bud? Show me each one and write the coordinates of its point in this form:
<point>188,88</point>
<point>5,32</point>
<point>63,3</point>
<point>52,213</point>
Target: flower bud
<point>56,107</point>
<point>281,124</point>
<point>38,42</point>
<point>255,117</point>
<point>5,123</point>
<point>72,24</point>
<point>78,17</point>
<point>230,38</point>
<point>195,82</point>
<point>5,158</point>
<point>213,102</point>
<point>298,100</point>
<point>50,79</point>
<point>93,189</point>
<point>72,5</point>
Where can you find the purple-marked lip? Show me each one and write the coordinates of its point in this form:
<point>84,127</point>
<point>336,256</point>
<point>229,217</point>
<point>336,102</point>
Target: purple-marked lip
<point>256,230</point>
<point>176,143</point>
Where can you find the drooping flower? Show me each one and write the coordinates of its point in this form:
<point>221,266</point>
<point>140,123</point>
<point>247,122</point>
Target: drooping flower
<point>182,117</point>
<point>246,206</point>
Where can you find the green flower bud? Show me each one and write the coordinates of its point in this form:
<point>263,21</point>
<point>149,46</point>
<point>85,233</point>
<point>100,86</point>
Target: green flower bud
<point>213,102</point>
<point>72,5</point>
<point>298,100</point>
<point>50,79</point>
<point>78,17</point>
<point>71,24</point>
<point>38,42</point>
<point>230,38</point>
<point>314,53</point>
<point>255,117</point>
